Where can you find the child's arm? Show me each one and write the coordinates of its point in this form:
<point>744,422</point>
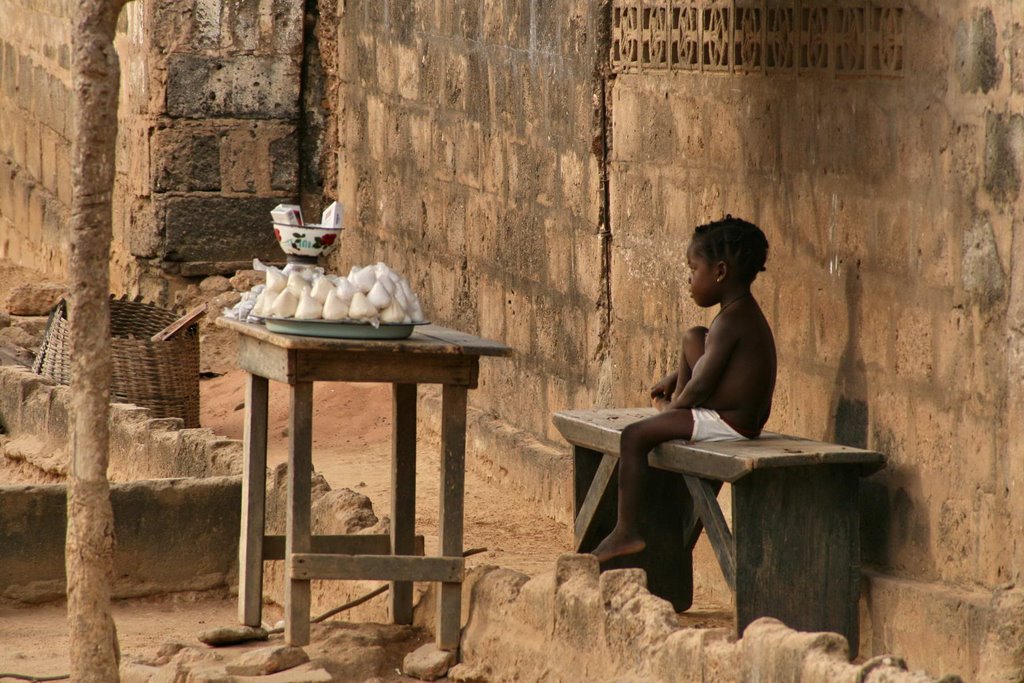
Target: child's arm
<point>708,370</point>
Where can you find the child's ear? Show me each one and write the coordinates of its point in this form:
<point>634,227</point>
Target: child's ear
<point>721,271</point>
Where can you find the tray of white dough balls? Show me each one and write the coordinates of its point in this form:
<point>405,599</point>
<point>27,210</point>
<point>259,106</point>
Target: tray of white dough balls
<point>373,302</point>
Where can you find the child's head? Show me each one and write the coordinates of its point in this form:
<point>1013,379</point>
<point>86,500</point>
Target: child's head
<point>740,244</point>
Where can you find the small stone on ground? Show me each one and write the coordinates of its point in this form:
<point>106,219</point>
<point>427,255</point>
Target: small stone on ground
<point>33,299</point>
<point>268,660</point>
<point>427,662</point>
<point>230,635</point>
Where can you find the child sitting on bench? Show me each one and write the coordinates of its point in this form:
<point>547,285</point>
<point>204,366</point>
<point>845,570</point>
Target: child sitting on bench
<point>723,388</point>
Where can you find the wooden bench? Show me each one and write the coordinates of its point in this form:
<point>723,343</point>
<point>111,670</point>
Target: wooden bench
<point>793,552</point>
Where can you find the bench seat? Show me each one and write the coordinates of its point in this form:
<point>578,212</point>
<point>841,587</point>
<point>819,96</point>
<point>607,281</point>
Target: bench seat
<point>793,551</point>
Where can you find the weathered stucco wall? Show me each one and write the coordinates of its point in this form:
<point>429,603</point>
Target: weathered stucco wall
<point>208,135</point>
<point>35,132</point>
<point>465,162</point>
<point>881,147</point>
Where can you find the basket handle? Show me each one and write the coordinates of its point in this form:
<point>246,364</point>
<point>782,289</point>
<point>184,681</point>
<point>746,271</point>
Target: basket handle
<point>182,323</point>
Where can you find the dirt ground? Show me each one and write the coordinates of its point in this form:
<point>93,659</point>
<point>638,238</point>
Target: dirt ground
<point>351,441</point>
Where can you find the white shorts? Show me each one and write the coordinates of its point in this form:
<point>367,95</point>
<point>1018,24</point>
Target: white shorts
<point>708,425</point>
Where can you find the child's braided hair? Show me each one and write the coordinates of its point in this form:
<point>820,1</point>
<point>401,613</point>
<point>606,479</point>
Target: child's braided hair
<point>736,241</point>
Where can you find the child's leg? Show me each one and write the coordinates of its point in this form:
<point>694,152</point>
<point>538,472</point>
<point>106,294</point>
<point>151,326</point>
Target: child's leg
<point>636,442</point>
<point>693,349</point>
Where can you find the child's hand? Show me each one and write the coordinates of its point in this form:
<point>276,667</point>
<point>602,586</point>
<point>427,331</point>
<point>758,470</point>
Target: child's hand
<point>664,388</point>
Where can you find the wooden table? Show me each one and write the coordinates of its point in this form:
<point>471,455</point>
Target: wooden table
<point>432,355</point>
<point>793,551</point>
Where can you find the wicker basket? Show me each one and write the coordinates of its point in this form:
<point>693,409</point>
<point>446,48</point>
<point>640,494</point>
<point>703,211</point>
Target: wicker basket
<point>162,376</point>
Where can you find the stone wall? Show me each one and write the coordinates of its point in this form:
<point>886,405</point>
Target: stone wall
<point>208,138</point>
<point>195,520</point>
<point>576,625</point>
<point>881,147</point>
<point>35,132</point>
<point>465,162</point>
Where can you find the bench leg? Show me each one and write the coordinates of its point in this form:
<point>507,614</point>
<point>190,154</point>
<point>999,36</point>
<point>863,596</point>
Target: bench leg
<point>797,541</point>
<point>670,524</point>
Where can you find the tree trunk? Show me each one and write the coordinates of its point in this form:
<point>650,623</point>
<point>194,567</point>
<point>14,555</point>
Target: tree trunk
<point>90,535</point>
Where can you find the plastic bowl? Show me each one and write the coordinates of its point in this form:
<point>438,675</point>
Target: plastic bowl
<point>306,240</point>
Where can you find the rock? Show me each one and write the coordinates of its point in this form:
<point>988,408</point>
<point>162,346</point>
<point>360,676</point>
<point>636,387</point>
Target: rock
<point>230,635</point>
<point>209,673</point>
<point>428,663</point>
<point>215,284</point>
<point>244,280</point>
<point>221,301</point>
<point>307,673</point>
<point>467,673</point>
<point>135,672</point>
<point>268,660</point>
<point>15,336</point>
<point>34,299</point>
<point>34,327</point>
<point>168,650</point>
<point>5,319</point>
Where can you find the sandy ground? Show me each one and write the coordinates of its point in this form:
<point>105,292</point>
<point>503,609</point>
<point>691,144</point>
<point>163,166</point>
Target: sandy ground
<point>352,449</point>
<point>352,442</point>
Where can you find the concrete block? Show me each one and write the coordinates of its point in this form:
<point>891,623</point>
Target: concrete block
<point>578,607</point>
<point>187,159</point>
<point>246,86</point>
<point>219,229</point>
<point>914,357</point>
<point>284,163</point>
<point>1004,156</point>
<point>206,27</point>
<point>977,59</point>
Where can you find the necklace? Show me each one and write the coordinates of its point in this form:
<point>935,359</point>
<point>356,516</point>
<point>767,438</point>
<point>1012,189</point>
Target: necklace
<point>722,309</point>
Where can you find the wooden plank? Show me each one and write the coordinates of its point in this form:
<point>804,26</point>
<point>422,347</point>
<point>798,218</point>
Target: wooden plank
<point>798,548</point>
<point>705,501</point>
<point>367,366</point>
<point>182,323</point>
<point>385,567</point>
<point>403,492</point>
<point>453,473</point>
<point>254,493</point>
<point>297,524</point>
<point>467,342</point>
<point>727,460</point>
<point>606,471</point>
<point>346,544</point>
<point>266,360</point>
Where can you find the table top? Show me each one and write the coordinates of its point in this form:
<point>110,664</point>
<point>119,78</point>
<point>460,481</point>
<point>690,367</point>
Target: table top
<point>426,339</point>
<point>724,460</point>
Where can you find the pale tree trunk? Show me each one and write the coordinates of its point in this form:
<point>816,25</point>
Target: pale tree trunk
<point>90,537</point>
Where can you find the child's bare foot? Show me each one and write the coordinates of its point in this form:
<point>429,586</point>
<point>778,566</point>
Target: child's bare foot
<point>617,544</point>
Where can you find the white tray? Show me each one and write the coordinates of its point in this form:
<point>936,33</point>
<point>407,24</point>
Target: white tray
<point>340,329</point>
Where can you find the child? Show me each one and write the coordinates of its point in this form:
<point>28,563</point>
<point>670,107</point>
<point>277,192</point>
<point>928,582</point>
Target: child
<point>723,388</point>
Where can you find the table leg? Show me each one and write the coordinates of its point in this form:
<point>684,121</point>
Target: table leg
<point>297,531</point>
<point>254,495</point>
<point>453,462</point>
<point>403,492</point>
